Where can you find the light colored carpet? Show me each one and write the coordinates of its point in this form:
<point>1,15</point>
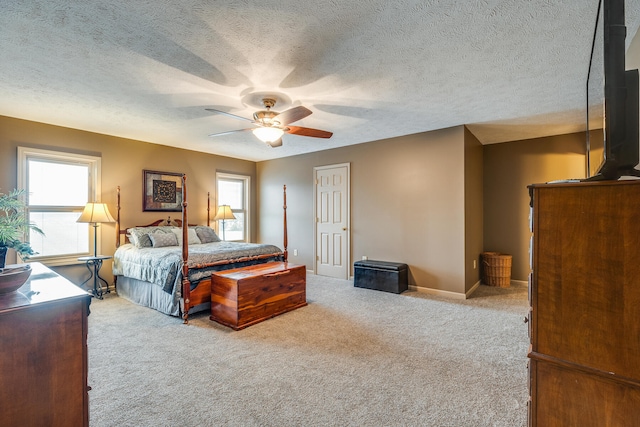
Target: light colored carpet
<point>352,357</point>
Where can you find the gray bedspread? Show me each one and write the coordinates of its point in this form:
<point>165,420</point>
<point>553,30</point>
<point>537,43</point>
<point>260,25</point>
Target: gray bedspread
<point>163,266</point>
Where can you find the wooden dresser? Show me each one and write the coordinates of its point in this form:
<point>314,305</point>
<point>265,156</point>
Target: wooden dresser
<point>43,353</point>
<point>244,296</point>
<point>585,305</point>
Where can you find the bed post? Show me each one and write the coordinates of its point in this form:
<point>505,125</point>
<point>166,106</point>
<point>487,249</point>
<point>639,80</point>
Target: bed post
<point>186,286</point>
<point>286,242</point>
<point>115,278</point>
<point>117,216</point>
<point>208,209</point>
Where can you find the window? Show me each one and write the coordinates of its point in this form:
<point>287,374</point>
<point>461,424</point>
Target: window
<point>233,190</point>
<point>58,185</point>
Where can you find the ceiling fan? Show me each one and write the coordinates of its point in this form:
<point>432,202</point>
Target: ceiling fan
<point>272,125</point>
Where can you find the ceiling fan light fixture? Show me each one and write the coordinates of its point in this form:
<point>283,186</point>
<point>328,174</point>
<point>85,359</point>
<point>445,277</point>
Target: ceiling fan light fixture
<point>268,134</point>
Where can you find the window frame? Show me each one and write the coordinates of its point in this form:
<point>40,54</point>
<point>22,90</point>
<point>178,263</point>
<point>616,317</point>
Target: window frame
<point>246,179</point>
<point>94,165</point>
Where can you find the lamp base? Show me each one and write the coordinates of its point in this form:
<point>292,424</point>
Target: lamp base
<point>95,239</point>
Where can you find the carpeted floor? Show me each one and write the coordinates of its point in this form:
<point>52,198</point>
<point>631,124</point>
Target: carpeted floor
<point>352,357</point>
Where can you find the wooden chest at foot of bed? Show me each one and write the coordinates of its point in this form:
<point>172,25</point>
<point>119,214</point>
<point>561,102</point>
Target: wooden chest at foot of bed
<point>244,296</point>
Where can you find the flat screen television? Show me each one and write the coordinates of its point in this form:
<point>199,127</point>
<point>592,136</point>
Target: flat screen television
<point>612,99</point>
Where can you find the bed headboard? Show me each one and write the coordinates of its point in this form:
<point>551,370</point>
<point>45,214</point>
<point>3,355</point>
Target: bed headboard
<point>120,233</point>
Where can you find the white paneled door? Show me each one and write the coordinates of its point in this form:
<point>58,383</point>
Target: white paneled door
<point>332,221</point>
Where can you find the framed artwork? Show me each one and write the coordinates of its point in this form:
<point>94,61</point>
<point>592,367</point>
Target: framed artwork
<point>161,191</point>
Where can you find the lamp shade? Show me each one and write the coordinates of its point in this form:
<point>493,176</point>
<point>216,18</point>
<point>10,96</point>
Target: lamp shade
<point>224,212</point>
<point>96,213</point>
<point>268,134</point>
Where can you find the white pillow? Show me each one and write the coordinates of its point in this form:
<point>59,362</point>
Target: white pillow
<point>191,236</point>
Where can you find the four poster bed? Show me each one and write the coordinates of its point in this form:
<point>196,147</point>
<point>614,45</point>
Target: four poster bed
<point>154,267</point>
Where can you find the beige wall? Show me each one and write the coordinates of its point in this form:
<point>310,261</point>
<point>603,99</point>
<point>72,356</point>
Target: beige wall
<point>433,200</point>
<point>123,161</point>
<point>632,58</point>
<point>473,211</point>
<point>407,203</point>
<point>508,169</point>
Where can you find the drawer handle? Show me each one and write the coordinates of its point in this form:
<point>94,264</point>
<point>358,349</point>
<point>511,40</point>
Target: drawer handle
<point>280,273</point>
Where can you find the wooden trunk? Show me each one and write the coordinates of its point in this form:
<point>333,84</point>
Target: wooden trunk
<point>585,299</point>
<point>43,354</point>
<point>245,296</point>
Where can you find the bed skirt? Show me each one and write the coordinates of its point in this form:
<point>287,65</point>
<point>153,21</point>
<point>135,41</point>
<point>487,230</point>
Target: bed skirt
<point>149,295</point>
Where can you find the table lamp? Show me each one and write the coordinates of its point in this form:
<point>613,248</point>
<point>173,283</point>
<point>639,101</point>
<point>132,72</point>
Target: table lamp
<point>95,213</point>
<point>224,213</point>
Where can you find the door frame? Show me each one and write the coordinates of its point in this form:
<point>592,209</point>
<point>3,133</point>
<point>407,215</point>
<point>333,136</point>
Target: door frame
<point>347,214</point>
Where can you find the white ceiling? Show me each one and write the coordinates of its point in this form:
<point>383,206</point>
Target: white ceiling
<point>368,69</point>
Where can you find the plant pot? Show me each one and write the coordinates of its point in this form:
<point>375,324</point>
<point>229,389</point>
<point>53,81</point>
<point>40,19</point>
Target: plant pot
<point>3,255</point>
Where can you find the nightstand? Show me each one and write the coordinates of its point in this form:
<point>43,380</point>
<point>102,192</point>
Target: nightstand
<point>94,263</point>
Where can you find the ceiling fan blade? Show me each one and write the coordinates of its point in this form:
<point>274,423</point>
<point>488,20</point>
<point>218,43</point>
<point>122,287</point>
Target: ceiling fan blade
<point>213,110</point>
<point>302,131</point>
<point>292,115</point>
<point>275,144</point>
<point>229,132</point>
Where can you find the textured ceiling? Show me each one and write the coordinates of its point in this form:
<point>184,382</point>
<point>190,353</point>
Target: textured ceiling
<point>368,69</point>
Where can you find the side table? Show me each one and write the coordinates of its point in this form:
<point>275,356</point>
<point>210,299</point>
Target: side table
<point>94,263</point>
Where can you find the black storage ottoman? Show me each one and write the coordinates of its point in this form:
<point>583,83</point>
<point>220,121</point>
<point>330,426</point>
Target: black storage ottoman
<point>381,276</point>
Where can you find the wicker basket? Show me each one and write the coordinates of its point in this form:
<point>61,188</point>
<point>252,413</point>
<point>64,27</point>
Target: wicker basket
<point>496,269</point>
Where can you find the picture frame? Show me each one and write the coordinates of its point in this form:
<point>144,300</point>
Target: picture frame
<point>161,191</point>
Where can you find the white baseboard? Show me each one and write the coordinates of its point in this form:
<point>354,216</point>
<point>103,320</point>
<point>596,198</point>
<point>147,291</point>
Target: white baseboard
<point>472,290</point>
<point>448,294</point>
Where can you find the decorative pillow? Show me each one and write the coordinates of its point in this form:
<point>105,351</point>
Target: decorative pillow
<point>139,236</point>
<point>191,236</point>
<point>161,239</point>
<point>206,234</point>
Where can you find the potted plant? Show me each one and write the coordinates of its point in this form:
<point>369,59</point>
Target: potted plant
<point>14,224</point>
